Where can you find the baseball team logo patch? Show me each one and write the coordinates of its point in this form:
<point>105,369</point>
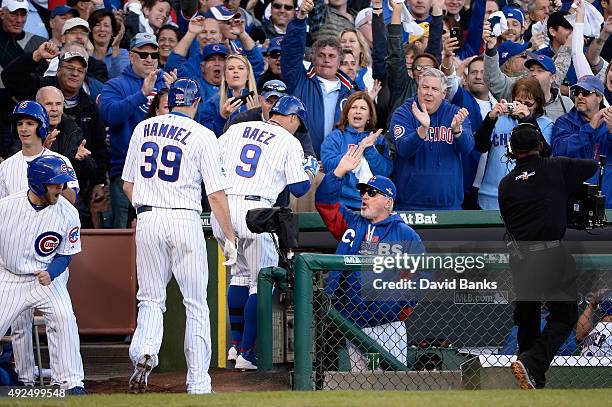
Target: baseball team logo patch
<point>73,235</point>
<point>46,243</point>
<point>23,105</point>
<point>398,131</point>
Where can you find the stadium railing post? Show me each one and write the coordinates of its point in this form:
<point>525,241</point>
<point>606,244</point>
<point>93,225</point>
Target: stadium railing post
<point>303,325</point>
<point>267,277</point>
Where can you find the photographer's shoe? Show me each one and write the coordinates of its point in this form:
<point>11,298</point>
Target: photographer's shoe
<point>522,375</point>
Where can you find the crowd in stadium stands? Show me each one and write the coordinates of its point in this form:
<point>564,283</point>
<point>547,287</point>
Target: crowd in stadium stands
<point>431,88</point>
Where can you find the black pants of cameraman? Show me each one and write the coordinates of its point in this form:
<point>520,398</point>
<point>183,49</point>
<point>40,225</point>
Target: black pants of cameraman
<point>545,275</point>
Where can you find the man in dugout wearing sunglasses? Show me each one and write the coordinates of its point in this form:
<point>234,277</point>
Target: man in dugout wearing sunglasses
<point>585,131</point>
<point>379,314</point>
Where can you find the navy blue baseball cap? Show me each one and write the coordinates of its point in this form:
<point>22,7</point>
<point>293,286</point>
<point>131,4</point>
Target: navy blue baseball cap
<point>275,44</point>
<point>382,184</point>
<point>274,87</point>
<point>515,13</point>
<point>544,61</point>
<point>63,10</point>
<point>508,49</point>
<point>214,49</point>
<point>590,83</point>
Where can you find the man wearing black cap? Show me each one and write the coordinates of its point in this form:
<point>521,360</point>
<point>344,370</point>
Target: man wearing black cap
<point>533,201</point>
<point>585,131</point>
<point>270,93</point>
<point>59,16</point>
<point>559,29</point>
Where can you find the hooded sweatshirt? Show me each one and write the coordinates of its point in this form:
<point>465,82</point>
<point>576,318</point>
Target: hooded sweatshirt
<point>428,173</point>
<point>352,231</point>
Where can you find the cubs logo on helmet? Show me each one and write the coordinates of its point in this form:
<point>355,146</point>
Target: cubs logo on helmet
<point>46,243</point>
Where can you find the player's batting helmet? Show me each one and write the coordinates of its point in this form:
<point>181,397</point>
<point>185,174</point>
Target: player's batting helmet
<point>29,108</point>
<point>183,92</point>
<point>288,105</point>
<point>605,304</point>
<point>48,169</point>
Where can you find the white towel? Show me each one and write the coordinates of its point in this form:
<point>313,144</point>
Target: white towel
<point>592,20</point>
<point>408,23</point>
<point>363,171</point>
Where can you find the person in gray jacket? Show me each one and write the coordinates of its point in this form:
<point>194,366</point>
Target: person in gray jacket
<point>540,66</point>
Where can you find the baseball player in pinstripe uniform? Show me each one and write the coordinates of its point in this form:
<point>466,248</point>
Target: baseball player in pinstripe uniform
<point>167,159</point>
<point>31,124</point>
<point>261,158</point>
<point>39,233</point>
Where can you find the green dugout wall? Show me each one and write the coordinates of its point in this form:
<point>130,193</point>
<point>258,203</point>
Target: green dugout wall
<point>432,226</point>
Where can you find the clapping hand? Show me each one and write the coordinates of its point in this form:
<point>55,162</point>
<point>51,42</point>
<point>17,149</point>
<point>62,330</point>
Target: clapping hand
<point>349,161</point>
<point>458,120</point>
<point>370,140</point>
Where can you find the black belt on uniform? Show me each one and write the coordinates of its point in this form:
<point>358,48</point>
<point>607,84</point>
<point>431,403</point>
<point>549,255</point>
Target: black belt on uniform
<point>148,208</point>
<point>538,247</point>
<point>252,198</point>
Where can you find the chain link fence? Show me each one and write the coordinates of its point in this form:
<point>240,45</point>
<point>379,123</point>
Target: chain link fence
<point>455,331</point>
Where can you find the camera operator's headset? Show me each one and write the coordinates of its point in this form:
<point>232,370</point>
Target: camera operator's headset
<point>521,127</point>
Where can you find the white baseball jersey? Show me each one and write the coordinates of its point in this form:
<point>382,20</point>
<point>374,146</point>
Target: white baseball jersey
<point>14,172</point>
<point>261,159</point>
<point>599,341</point>
<point>29,238</point>
<point>178,151</point>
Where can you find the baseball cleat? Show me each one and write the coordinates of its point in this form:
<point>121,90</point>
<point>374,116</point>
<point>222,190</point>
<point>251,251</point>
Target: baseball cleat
<point>522,375</point>
<point>138,381</point>
<point>232,354</point>
<point>246,361</point>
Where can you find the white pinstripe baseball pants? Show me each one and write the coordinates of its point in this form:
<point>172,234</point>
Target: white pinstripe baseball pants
<point>171,241</point>
<point>19,294</point>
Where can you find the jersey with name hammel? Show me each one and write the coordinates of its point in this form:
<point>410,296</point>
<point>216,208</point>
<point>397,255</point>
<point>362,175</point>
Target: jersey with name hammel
<point>428,173</point>
<point>178,150</point>
<point>261,159</point>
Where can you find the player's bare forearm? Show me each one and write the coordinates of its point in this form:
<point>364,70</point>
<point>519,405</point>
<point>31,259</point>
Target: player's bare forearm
<point>128,187</point>
<point>220,208</point>
<point>584,326</point>
<point>70,195</point>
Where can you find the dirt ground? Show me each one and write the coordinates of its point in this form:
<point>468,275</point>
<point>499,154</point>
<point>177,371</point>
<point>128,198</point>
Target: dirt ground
<point>223,380</point>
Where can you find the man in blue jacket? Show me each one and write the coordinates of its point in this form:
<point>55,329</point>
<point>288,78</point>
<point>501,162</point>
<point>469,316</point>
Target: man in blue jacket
<point>356,233</point>
<point>124,102</point>
<point>430,135</point>
<point>586,131</point>
<point>323,88</point>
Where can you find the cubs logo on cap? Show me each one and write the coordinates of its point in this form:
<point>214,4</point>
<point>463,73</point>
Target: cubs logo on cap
<point>46,243</point>
<point>73,235</point>
<point>23,105</point>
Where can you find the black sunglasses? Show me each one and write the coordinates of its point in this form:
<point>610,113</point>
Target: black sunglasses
<point>274,54</point>
<point>371,192</point>
<point>145,55</point>
<point>274,88</point>
<point>278,6</point>
<point>579,91</point>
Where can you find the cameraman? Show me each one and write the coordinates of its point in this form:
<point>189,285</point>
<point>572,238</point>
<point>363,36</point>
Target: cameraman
<point>533,201</point>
